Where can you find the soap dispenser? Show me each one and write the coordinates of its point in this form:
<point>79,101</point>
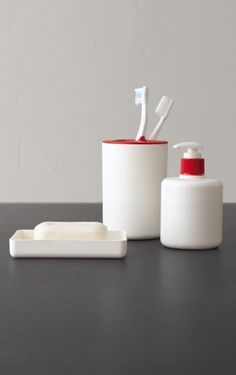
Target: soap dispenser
<point>191,205</point>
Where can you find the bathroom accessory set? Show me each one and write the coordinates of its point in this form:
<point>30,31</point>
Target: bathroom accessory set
<point>139,202</point>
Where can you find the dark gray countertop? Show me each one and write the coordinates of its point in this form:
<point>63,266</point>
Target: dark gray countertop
<point>159,311</point>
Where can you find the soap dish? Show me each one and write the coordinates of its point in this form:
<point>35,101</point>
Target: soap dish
<point>112,245</point>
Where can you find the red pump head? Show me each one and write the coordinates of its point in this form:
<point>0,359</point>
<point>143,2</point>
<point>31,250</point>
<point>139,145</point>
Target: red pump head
<point>192,163</point>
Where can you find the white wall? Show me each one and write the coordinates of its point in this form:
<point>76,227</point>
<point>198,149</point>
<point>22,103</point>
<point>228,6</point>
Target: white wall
<point>67,73</point>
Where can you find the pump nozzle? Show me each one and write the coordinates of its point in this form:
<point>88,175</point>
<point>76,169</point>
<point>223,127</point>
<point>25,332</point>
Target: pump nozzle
<point>192,149</point>
<point>192,162</point>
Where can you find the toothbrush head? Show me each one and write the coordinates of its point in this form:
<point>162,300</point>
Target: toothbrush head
<point>164,106</point>
<point>140,95</point>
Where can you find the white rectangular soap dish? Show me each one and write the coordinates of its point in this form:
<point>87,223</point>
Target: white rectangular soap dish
<point>112,245</point>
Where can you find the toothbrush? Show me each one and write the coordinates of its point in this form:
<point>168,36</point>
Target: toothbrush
<point>141,96</point>
<point>163,108</point>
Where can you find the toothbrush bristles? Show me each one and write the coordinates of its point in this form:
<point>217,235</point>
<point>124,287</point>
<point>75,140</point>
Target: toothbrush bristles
<point>140,95</point>
<point>164,106</point>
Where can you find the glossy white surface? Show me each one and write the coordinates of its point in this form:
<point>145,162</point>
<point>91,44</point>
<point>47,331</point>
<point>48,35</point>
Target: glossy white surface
<point>191,212</point>
<point>23,245</point>
<point>132,176</point>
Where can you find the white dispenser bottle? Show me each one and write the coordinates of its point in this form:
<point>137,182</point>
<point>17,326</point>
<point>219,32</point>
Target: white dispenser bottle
<point>191,205</point>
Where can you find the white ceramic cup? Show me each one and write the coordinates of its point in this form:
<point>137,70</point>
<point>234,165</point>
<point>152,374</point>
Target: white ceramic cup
<point>132,172</point>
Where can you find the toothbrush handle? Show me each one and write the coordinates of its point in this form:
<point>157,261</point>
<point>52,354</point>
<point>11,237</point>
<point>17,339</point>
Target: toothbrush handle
<point>143,123</point>
<point>157,129</point>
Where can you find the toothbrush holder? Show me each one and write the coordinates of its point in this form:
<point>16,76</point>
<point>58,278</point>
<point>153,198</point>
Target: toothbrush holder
<point>132,172</point>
